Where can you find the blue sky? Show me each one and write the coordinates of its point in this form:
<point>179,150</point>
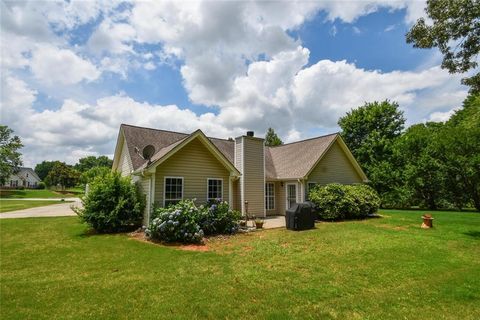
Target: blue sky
<point>73,71</point>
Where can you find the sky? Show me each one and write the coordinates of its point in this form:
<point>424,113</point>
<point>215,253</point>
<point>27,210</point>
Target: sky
<point>72,72</point>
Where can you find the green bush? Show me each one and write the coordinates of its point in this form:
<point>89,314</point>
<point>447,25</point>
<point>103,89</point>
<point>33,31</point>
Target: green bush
<point>41,185</point>
<point>187,223</point>
<point>20,188</point>
<point>217,218</point>
<point>337,202</point>
<point>112,204</point>
<point>176,223</point>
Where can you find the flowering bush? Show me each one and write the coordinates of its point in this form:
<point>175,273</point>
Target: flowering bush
<point>217,218</point>
<point>187,223</point>
<point>177,223</point>
<point>335,201</point>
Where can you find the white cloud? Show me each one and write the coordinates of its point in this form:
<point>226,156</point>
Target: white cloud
<point>237,57</point>
<point>16,100</point>
<point>356,30</point>
<point>54,66</point>
<point>441,116</point>
<point>112,38</point>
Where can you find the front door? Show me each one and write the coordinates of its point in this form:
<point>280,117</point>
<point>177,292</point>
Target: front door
<point>291,194</point>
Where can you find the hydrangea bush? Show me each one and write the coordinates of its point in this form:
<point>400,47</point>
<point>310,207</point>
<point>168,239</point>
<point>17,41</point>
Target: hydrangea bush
<point>177,223</point>
<point>185,222</point>
<point>336,201</point>
<point>217,218</point>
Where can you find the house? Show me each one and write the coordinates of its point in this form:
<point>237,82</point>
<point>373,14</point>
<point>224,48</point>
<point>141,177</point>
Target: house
<point>253,178</point>
<point>25,177</point>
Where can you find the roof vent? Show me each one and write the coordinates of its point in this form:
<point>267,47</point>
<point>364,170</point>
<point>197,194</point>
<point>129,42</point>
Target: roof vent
<point>250,134</point>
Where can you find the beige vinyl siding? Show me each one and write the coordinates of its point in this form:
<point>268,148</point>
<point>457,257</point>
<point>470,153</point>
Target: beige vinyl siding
<point>236,205</point>
<point>195,163</point>
<point>125,166</point>
<point>254,175</point>
<point>144,184</point>
<point>334,167</point>
<point>280,199</point>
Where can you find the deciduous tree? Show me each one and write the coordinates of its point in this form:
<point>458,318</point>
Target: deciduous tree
<point>10,157</point>
<point>455,31</point>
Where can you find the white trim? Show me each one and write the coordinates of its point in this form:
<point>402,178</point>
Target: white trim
<point>165,187</point>
<point>265,197</point>
<point>286,193</point>
<point>221,191</point>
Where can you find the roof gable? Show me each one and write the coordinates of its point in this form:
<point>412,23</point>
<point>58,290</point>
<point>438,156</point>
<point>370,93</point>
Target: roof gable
<point>170,150</point>
<point>163,141</point>
<point>295,160</point>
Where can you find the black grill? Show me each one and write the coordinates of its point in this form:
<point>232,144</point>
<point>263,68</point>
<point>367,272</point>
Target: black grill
<point>300,216</point>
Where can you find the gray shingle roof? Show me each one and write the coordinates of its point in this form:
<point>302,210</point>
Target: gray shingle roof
<point>294,160</point>
<point>288,161</point>
<point>163,141</point>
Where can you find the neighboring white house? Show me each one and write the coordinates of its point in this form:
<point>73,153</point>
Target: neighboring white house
<point>26,177</point>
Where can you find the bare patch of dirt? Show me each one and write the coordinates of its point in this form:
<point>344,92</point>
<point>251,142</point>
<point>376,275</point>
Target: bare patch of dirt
<point>140,236</point>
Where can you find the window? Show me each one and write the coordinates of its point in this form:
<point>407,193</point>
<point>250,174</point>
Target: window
<point>310,186</point>
<point>173,190</point>
<point>214,189</point>
<point>269,196</point>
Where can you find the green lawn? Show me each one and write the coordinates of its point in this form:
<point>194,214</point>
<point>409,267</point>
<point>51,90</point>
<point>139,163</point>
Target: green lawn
<point>385,268</point>
<point>39,193</point>
<point>12,205</point>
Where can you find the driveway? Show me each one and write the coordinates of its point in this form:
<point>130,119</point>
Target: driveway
<point>54,210</point>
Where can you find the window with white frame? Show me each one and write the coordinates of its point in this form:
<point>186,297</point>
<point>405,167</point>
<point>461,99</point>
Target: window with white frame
<point>269,196</point>
<point>215,187</point>
<point>173,192</point>
<point>310,186</point>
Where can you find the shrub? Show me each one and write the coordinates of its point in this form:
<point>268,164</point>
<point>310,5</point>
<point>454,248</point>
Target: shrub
<point>177,223</point>
<point>20,188</point>
<point>112,204</point>
<point>217,218</point>
<point>335,201</point>
<point>41,185</point>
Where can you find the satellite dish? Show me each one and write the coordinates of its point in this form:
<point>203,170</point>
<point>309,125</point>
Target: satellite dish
<point>148,152</point>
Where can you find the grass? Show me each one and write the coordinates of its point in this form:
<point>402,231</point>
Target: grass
<point>385,268</point>
<point>13,205</point>
<point>39,193</point>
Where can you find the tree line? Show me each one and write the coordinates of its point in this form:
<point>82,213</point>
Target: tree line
<point>432,165</point>
<point>57,173</point>
<point>52,173</point>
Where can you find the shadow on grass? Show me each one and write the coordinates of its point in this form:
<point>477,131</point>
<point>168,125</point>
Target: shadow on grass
<point>473,234</point>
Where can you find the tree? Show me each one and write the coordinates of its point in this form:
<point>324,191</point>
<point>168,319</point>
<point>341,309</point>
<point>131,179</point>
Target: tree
<point>423,172</point>
<point>455,31</point>
<point>91,161</point>
<point>272,139</point>
<point>42,169</point>
<point>469,116</point>
<point>10,157</point>
<point>369,131</point>
<point>89,175</point>
<point>63,175</point>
